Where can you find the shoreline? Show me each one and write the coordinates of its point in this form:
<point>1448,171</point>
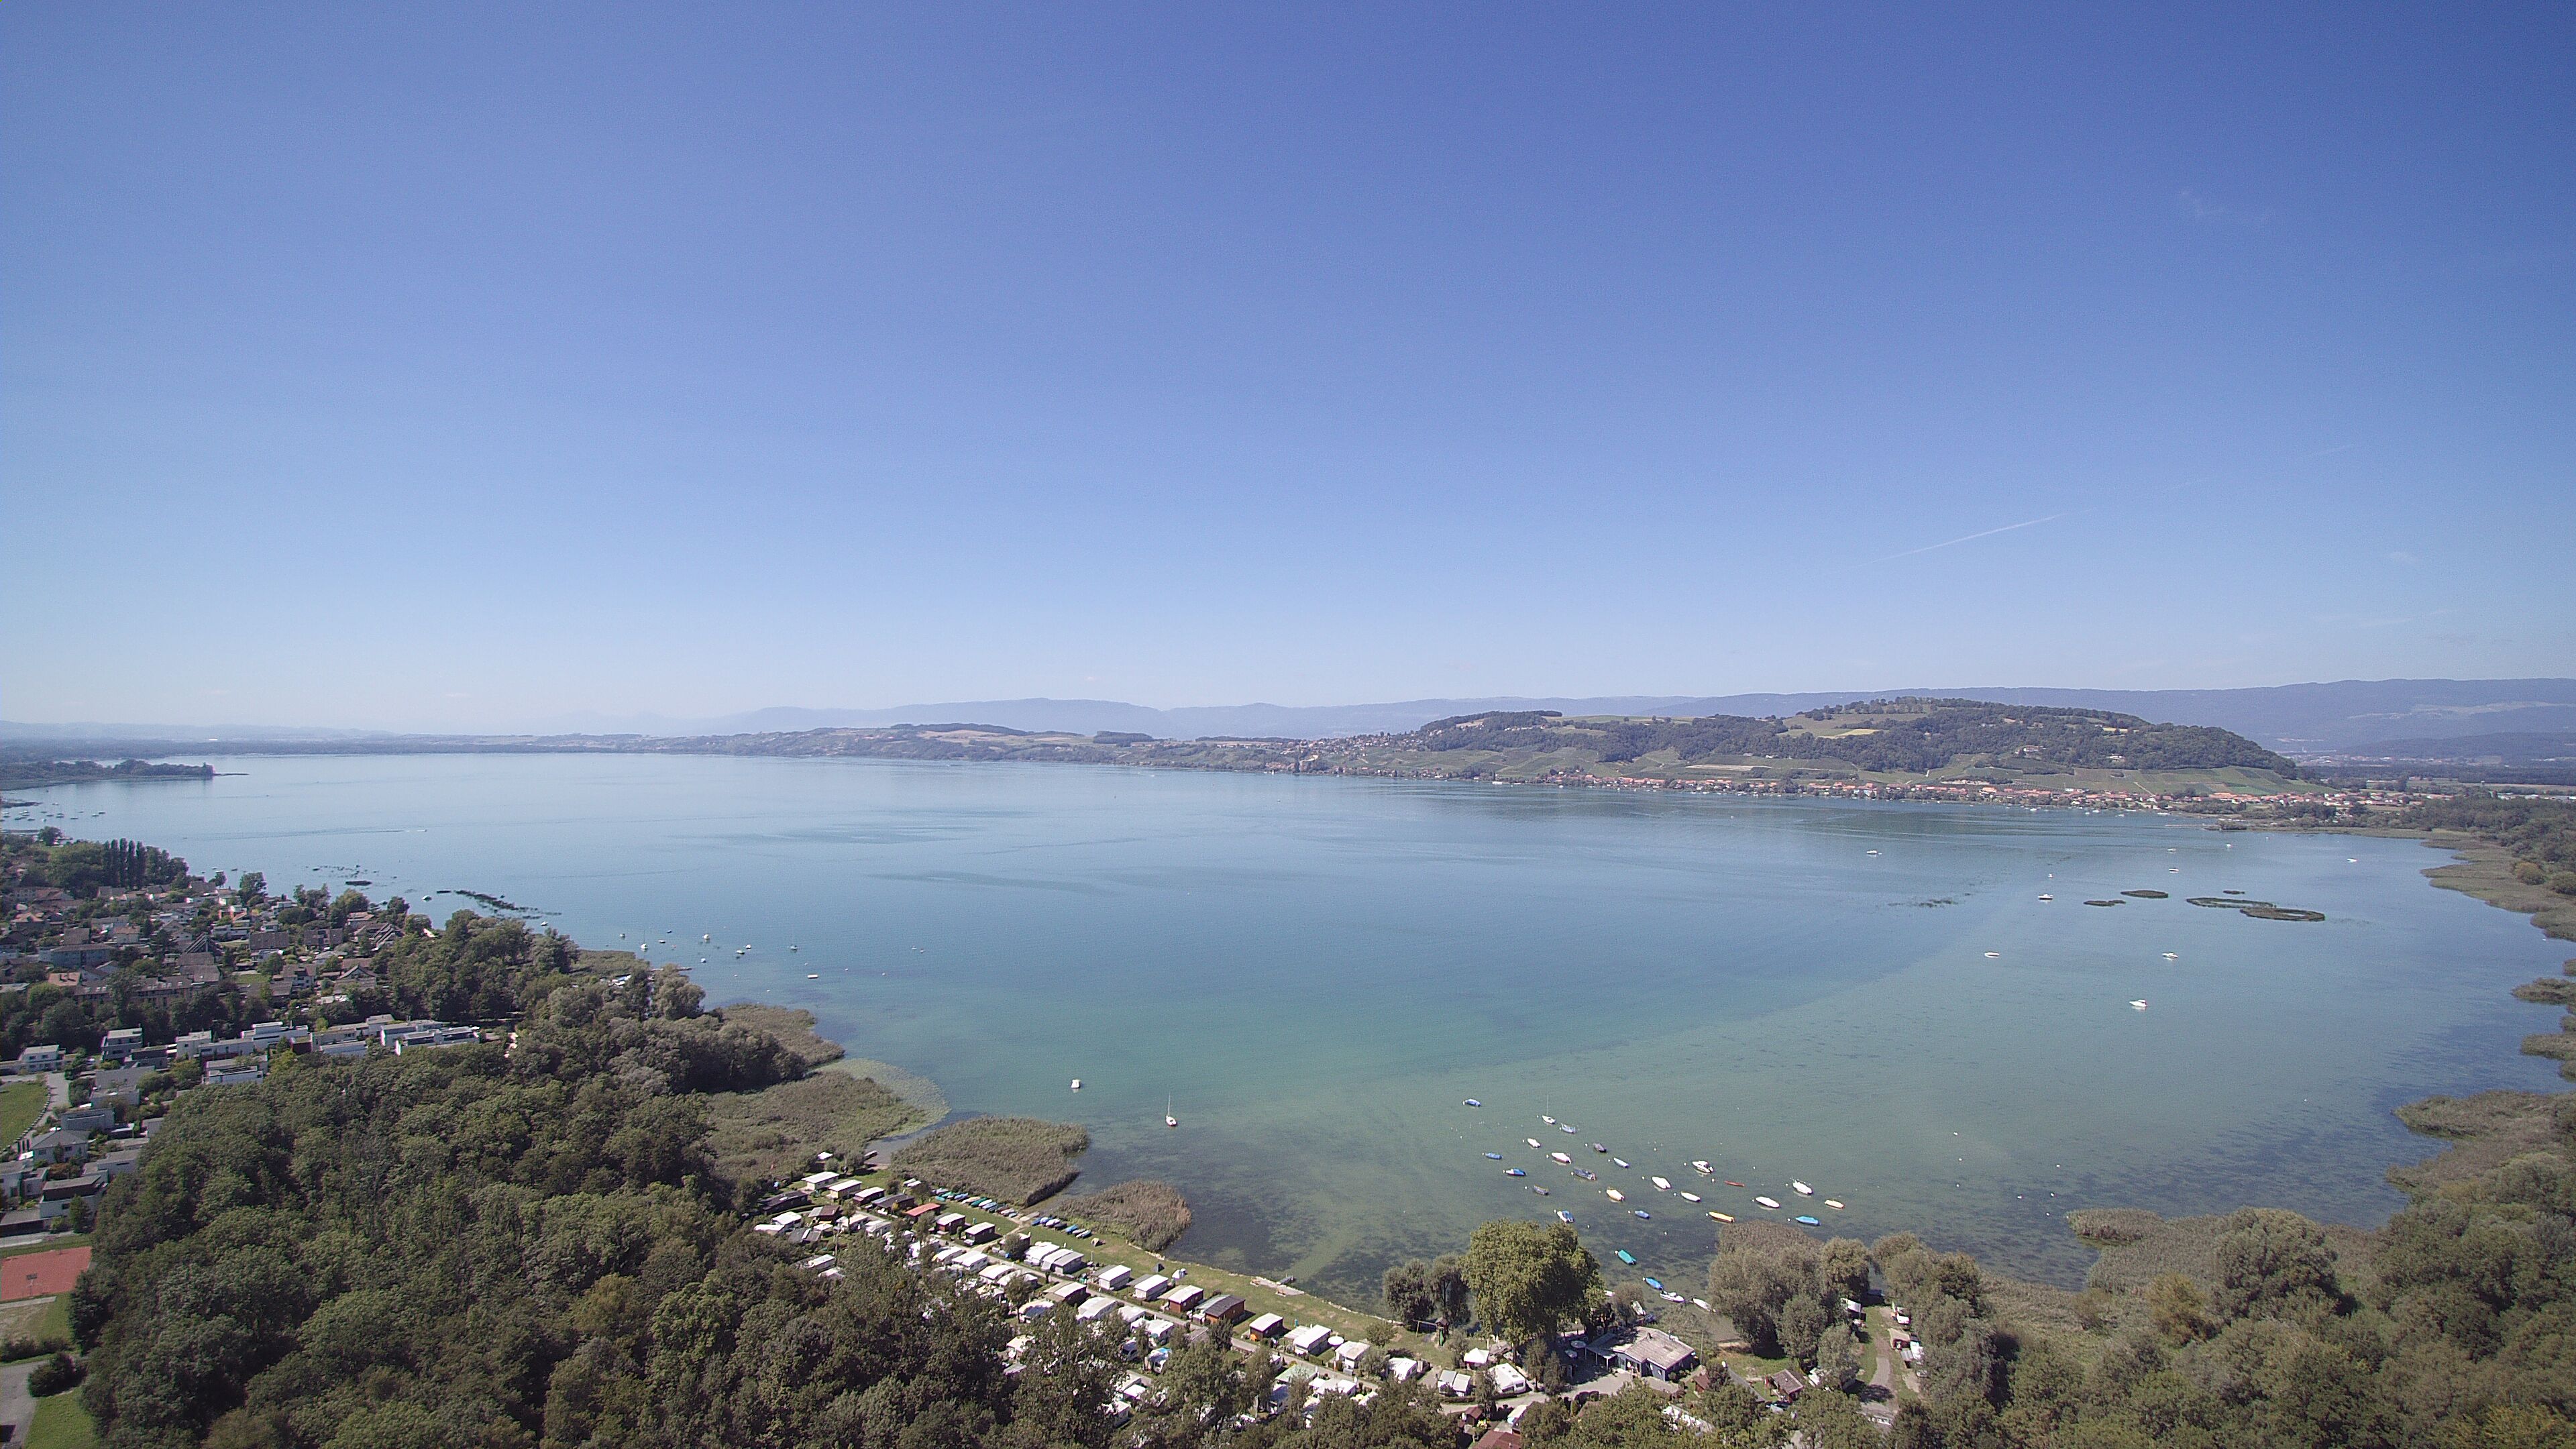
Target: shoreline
<point>2478,869</point>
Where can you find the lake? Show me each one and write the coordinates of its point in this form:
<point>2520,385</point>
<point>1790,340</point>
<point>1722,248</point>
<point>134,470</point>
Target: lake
<point>1316,972</point>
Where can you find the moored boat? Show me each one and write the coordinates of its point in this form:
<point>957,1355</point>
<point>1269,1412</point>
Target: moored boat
<point>1624,1255</point>
<point>1561,1157</point>
<point>1801,1188</point>
<point>1810,1222</point>
<point>1615,1194</point>
<point>1661,1184</point>
<point>1690,1197</point>
<point>1721,1217</point>
<point>1768,1202</point>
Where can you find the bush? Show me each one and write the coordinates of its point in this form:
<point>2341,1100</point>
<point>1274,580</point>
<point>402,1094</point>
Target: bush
<point>58,1374</point>
<point>14,1350</point>
<point>2563,882</point>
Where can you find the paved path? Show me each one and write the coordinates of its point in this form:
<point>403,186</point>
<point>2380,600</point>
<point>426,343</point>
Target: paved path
<point>17,1406</point>
<point>59,1089</point>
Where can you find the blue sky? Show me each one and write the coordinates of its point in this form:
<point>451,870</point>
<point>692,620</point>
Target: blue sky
<point>472,365</point>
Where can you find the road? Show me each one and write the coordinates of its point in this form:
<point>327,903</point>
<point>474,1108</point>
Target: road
<point>17,1406</point>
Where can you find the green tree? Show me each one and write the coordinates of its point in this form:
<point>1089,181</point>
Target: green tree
<point>2178,1309</point>
<point>1450,1295</point>
<point>1528,1280</point>
<point>1755,1283</point>
<point>2272,1263</point>
<point>1834,1421</point>
<point>1838,1357</point>
<point>1406,1290</point>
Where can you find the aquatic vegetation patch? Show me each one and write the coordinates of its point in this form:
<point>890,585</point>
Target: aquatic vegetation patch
<point>1023,1159</point>
<point>774,1133</point>
<point>2259,910</point>
<point>2107,903</point>
<point>1152,1213</point>
<point>793,1026</point>
<point>2146,895</point>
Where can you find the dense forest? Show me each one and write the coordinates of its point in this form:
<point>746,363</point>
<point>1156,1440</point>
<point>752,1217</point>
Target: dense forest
<point>1907,736</point>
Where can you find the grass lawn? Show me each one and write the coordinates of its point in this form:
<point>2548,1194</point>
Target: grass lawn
<point>56,1321</point>
<point>61,1423</point>
<point>45,1244</point>
<point>21,1103</point>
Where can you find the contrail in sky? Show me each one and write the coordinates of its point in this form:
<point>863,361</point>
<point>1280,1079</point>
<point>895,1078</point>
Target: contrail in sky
<point>2073,512</point>
<point>1973,537</point>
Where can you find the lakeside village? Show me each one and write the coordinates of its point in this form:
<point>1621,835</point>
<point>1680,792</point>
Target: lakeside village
<point>225,980</point>
<point>2346,803</point>
<point>214,980</point>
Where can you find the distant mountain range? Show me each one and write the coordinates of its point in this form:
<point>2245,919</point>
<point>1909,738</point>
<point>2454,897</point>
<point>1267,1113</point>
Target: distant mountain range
<point>2297,719</point>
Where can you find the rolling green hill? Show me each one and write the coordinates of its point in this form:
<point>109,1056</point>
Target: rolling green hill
<point>1892,741</point>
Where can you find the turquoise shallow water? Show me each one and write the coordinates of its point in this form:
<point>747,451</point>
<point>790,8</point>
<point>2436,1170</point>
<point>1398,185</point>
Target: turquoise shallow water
<point>1317,972</point>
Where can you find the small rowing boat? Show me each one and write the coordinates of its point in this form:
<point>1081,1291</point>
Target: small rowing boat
<point>1547,1119</point>
<point>1619,1161</point>
<point>1661,1184</point>
<point>1641,1213</point>
<point>1495,1155</point>
<point>1515,1172</point>
<point>1731,1182</point>
<point>1835,1203</point>
<point>1587,1176</point>
<point>1615,1194</point>
<point>1702,1168</point>
<point>1563,1216</point>
<point>1655,1283</point>
<point>1672,1297</point>
<point>1533,1142</point>
<point>1472,1102</point>
<point>1690,1197</point>
<point>1562,1158</point>
<point>1810,1222</point>
<point>1721,1217</point>
<point>1772,1203</point>
<point>1597,1147</point>
<point>1801,1188</point>
<point>1624,1255</point>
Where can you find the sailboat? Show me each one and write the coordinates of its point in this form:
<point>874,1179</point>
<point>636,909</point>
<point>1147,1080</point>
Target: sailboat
<point>1168,1119</point>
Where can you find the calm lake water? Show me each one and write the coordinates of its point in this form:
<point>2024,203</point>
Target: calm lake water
<point>1316,972</point>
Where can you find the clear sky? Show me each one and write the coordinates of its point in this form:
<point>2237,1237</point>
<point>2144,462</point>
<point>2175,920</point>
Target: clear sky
<point>468,365</point>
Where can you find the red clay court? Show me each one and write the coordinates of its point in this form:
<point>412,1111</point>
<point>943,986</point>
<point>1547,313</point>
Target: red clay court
<point>33,1275</point>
